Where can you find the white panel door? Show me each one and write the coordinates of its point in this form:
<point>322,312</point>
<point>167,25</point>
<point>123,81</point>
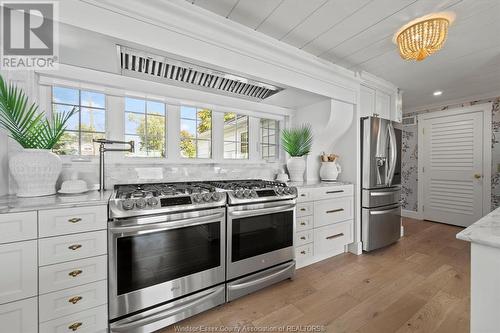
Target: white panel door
<point>453,164</point>
<point>20,316</point>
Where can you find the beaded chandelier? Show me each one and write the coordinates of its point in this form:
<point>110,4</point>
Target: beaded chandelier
<point>423,36</point>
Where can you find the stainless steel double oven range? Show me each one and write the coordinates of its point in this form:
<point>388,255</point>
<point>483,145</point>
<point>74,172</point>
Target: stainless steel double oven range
<point>178,249</point>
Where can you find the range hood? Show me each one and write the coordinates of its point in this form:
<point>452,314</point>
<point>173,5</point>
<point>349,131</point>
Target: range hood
<point>140,64</point>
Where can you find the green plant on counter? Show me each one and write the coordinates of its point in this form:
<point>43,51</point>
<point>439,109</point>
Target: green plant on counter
<point>297,141</point>
<point>30,128</point>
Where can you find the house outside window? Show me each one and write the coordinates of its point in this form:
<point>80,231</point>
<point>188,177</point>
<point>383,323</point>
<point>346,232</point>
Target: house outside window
<point>145,124</point>
<point>269,136</point>
<point>235,136</point>
<point>196,132</point>
<point>88,123</point>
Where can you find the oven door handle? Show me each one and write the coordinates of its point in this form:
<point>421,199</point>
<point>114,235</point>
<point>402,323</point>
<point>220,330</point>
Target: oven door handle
<point>261,211</point>
<point>263,279</point>
<point>166,225</point>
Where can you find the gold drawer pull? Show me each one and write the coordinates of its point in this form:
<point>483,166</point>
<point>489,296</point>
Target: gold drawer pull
<point>338,191</point>
<point>74,247</point>
<point>75,326</point>
<point>303,223</point>
<point>303,209</point>
<point>302,252</point>
<point>76,299</point>
<point>75,219</point>
<point>303,195</point>
<point>75,273</point>
<point>335,210</point>
<point>335,236</point>
<point>303,237</point>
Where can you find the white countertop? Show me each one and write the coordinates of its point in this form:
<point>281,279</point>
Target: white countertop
<point>485,231</point>
<point>317,183</point>
<point>13,204</point>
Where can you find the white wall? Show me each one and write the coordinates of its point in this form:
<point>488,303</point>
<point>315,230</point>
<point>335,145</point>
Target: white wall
<point>334,129</point>
<point>4,169</point>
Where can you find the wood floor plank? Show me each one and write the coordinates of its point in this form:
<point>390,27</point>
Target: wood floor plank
<point>420,284</point>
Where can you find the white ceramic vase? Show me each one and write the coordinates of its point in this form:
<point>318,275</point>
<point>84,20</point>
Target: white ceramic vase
<point>329,171</point>
<point>35,172</point>
<point>296,167</point>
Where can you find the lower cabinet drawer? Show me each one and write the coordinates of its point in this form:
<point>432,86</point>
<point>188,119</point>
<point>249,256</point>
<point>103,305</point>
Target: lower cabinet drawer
<point>88,321</point>
<point>304,223</point>
<point>69,301</point>
<point>332,237</point>
<point>20,316</point>
<point>72,274</point>
<point>303,252</point>
<point>304,209</point>
<point>54,250</point>
<point>332,211</point>
<point>303,237</point>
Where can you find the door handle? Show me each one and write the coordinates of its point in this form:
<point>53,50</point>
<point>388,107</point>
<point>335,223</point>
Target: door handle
<point>477,175</point>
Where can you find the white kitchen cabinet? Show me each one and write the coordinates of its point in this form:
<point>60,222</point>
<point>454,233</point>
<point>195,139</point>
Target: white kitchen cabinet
<point>19,264</point>
<point>383,104</point>
<point>367,102</point>
<point>15,227</point>
<point>324,223</point>
<point>54,222</point>
<point>20,316</point>
<point>89,321</point>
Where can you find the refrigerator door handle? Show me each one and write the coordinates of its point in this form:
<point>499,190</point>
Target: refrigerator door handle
<point>394,154</point>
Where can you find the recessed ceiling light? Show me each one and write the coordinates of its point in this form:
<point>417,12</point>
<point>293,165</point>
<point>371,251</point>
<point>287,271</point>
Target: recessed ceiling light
<point>437,93</point>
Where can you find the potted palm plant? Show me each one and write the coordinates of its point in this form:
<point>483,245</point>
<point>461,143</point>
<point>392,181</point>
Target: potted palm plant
<point>297,143</point>
<point>35,168</point>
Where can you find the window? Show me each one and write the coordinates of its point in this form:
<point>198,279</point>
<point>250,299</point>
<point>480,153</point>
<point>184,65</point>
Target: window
<point>269,135</point>
<point>145,124</point>
<point>85,125</point>
<point>196,132</point>
<point>235,136</point>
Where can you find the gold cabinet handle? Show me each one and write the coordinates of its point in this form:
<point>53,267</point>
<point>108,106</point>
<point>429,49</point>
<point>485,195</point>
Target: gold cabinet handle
<point>75,273</point>
<point>303,209</point>
<point>335,236</point>
<point>75,219</point>
<point>76,299</point>
<point>335,210</point>
<point>303,195</point>
<point>303,237</point>
<point>303,223</point>
<point>337,191</point>
<point>302,252</point>
<point>477,176</point>
<point>75,326</point>
<point>74,247</point>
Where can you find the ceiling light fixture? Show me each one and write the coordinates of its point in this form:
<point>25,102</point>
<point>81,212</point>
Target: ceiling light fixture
<point>423,36</point>
<point>437,93</point>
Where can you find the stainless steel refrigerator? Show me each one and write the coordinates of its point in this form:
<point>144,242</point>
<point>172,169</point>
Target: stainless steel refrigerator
<point>380,182</point>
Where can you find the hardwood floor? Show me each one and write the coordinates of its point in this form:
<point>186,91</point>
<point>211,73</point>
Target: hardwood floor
<point>420,284</point>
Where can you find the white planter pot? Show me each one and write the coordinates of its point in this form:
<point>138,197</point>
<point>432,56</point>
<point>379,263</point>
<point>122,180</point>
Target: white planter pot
<point>35,172</point>
<point>296,167</point>
<point>329,171</point>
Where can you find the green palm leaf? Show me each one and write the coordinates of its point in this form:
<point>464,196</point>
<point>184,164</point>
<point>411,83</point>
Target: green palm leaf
<point>297,141</point>
<point>30,128</point>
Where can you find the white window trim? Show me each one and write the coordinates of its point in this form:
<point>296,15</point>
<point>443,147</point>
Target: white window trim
<point>115,112</point>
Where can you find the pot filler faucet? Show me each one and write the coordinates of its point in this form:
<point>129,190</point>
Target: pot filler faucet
<point>103,149</point>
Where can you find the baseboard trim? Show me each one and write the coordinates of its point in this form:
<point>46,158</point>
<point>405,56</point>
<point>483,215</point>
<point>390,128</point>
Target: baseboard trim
<point>355,248</point>
<point>411,214</point>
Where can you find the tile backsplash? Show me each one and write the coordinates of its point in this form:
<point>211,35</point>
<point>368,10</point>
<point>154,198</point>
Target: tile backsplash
<point>121,173</point>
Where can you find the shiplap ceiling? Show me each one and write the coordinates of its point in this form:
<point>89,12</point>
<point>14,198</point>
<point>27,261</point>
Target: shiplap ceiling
<point>357,34</point>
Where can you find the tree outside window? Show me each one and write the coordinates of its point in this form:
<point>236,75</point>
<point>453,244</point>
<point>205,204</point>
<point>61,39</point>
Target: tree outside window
<point>145,124</point>
<point>196,132</point>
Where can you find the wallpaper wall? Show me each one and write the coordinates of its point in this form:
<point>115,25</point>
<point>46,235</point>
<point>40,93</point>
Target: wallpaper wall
<point>409,159</point>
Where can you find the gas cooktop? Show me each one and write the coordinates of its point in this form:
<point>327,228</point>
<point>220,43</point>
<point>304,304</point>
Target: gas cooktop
<point>144,199</point>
